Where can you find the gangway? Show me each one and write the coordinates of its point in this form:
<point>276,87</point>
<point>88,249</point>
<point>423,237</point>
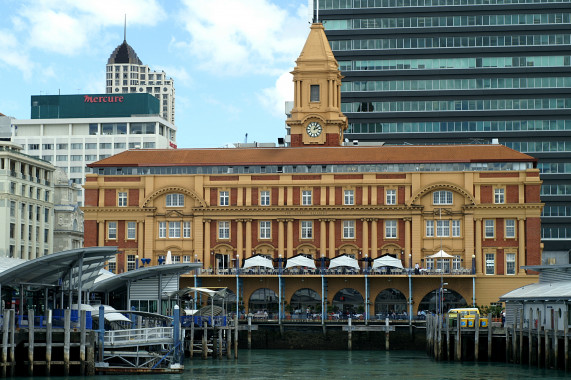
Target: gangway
<point>138,337</point>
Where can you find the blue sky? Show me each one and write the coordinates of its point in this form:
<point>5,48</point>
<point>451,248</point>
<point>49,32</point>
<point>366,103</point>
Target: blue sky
<point>230,59</point>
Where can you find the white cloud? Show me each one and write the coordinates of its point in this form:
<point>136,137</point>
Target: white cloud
<point>235,37</point>
<point>13,56</point>
<point>274,98</point>
<point>179,74</point>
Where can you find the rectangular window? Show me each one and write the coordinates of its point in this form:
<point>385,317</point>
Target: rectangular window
<point>186,230</point>
<point>265,229</point>
<point>456,263</point>
<point>442,197</point>
<point>223,230</point>
<point>499,196</point>
<point>162,230</point>
<point>307,229</point>
<point>174,230</point>
<point>489,228</point>
<point>391,229</point>
<point>314,93</point>
<point>348,229</point>
<point>391,197</point>
<point>306,197</point>
<point>131,230</point>
<point>112,230</point>
<point>442,228</point>
<point>13,209</point>
<point>175,200</point>
<point>510,228</point>
<point>186,258</point>
<point>131,262</point>
<point>349,197</point>
<point>455,228</point>
<point>224,198</point>
<point>430,228</point>
<point>510,263</point>
<point>122,199</point>
<point>264,198</point>
<point>490,263</point>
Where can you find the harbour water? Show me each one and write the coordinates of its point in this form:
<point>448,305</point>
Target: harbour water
<point>362,365</point>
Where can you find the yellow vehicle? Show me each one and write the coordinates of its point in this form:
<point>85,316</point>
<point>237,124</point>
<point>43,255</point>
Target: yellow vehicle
<point>467,317</point>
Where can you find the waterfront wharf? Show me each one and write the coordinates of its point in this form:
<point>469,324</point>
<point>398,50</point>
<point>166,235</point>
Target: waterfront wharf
<point>520,343</point>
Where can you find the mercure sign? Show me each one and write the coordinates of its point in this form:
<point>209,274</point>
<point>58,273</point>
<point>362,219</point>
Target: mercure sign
<point>102,99</point>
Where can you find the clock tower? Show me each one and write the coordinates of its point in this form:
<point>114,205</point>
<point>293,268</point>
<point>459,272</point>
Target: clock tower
<point>316,117</point>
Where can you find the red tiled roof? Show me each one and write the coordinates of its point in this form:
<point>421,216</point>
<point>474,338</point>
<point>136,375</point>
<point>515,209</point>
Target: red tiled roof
<point>315,155</point>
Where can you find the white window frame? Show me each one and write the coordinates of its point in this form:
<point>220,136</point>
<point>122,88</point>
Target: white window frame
<point>306,197</point>
<point>131,262</point>
<point>186,258</point>
<point>265,229</point>
<point>265,198</point>
<point>131,230</point>
<point>175,200</point>
<point>456,262</point>
<point>456,228</point>
<point>499,195</point>
<point>122,199</point>
<point>306,229</point>
<point>223,230</point>
<point>174,229</point>
<point>348,229</point>
<point>443,228</point>
<point>348,197</point>
<point>510,229</point>
<point>391,197</point>
<point>112,230</point>
<point>429,228</point>
<point>490,263</point>
<point>186,229</point>
<point>510,263</point>
<point>224,198</point>
<point>442,197</point>
<point>489,228</point>
<point>162,230</point>
<point>391,227</point>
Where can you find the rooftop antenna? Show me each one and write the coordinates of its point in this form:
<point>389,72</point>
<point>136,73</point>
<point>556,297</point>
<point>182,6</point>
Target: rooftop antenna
<point>125,28</point>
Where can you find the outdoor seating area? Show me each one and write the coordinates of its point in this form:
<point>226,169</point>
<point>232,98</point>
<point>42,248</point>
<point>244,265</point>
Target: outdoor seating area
<point>380,271</point>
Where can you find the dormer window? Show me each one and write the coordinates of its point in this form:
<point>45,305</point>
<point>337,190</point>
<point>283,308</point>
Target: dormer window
<point>314,93</point>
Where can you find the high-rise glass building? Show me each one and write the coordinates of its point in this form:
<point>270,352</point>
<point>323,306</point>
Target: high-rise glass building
<point>462,71</point>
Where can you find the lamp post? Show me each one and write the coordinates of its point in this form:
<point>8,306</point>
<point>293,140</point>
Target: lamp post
<point>136,261</point>
<point>473,264</point>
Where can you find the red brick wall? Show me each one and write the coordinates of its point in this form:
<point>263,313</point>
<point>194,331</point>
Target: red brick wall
<point>486,195</point>
<point>498,175</point>
<point>214,196</point>
<point>339,195</point>
<point>512,194</point>
<point>133,197</point>
<point>401,196</point>
<point>233,197</point>
<point>110,197</point>
<point>348,176</point>
<point>296,196</point>
<point>90,233</point>
<point>532,241</point>
<point>381,195</point>
<point>255,196</point>
<point>332,139</point>
<point>317,195</point>
<point>274,194</point>
<point>500,261</point>
<point>532,193</point>
<point>91,197</point>
<point>359,195</point>
<point>499,229</point>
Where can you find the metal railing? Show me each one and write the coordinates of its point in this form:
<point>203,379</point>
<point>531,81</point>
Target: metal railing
<point>152,335</point>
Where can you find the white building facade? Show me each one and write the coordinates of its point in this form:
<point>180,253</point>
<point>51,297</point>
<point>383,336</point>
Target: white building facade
<point>26,204</point>
<point>127,74</point>
<point>68,217</point>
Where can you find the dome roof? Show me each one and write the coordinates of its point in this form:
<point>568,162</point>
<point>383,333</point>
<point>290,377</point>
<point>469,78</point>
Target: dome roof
<point>124,53</point>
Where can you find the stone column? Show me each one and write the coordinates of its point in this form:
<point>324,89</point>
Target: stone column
<point>521,245</point>
<point>141,239</point>
<point>407,237</point>
<point>281,237</point>
<point>248,252</point>
<point>101,232</point>
<point>322,238</point>
<point>331,238</point>
<point>289,247</point>
<point>240,237</point>
<point>374,238</point>
<point>365,243</point>
<point>478,245</point>
<point>207,258</point>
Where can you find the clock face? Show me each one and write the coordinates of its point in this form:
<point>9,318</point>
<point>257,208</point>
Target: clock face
<point>314,129</point>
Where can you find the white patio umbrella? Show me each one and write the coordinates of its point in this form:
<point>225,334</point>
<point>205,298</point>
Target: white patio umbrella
<point>300,261</point>
<point>343,261</point>
<point>441,255</point>
<point>387,261</point>
<point>169,258</point>
<point>258,261</point>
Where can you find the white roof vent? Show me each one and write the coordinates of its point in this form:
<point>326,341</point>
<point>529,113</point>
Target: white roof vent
<point>495,141</point>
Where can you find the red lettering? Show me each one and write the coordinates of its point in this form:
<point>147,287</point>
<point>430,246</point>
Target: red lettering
<point>87,99</point>
<point>104,99</point>
<point>120,99</point>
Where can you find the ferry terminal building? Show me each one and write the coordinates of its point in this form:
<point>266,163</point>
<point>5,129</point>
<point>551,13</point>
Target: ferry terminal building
<point>318,198</point>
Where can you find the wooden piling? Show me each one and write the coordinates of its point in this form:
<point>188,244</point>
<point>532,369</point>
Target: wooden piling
<point>66,340</point>
<point>5,333</point>
<point>477,337</point>
<point>12,342</point>
<point>435,336</point>
<point>214,343</point>
<point>220,343</point>
<point>387,340</point>
<point>514,342</point>
<point>235,337</point>
<point>489,336</point>
<point>228,342</point>
<point>566,340</point>
<point>90,353</point>
<point>447,336</point>
<point>547,353</point>
<point>458,338</point>
<point>350,336</point>
<point>529,340</point>
<point>49,339</point>
<point>191,339</point>
<point>249,332</point>
<point>204,341</point>
<point>82,335</point>
<point>520,356</point>
<point>439,337</point>
<point>539,339</point>
<point>31,335</point>
<point>555,347</point>
<point>507,343</point>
